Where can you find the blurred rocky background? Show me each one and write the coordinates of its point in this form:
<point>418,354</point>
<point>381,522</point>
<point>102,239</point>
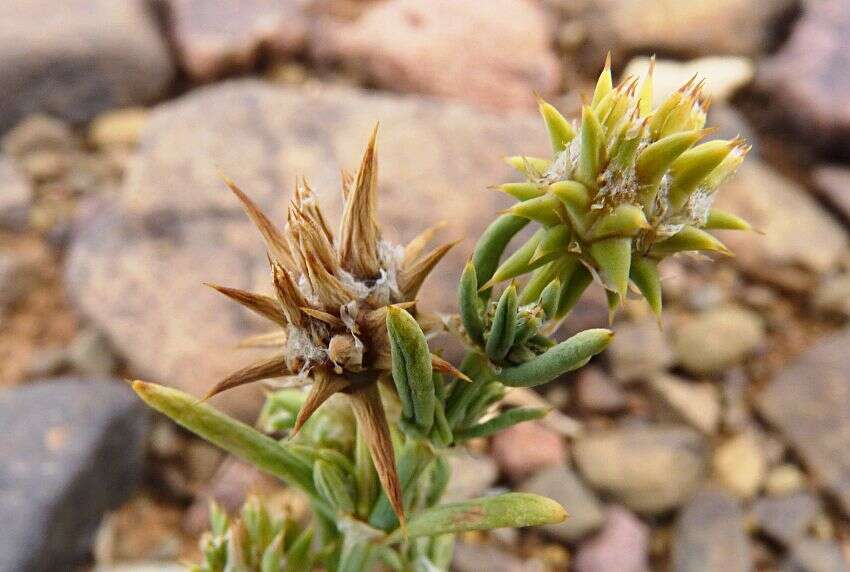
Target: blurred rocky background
<point>719,443</point>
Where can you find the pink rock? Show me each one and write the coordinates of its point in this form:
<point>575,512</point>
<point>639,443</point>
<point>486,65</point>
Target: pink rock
<point>489,52</point>
<point>621,545</point>
<point>526,448</point>
<point>214,38</point>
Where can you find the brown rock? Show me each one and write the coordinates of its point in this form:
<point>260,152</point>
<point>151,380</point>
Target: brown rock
<point>214,38</point>
<point>525,448</point>
<point>79,60</point>
<point>708,343</point>
<point>800,239</point>
<point>811,71</point>
<point>14,196</point>
<point>490,52</point>
<point>710,535</point>
<point>699,27</point>
<point>639,351</point>
<point>808,401</point>
<point>833,183</point>
<point>598,392</point>
<point>650,469</point>
<point>137,266</point>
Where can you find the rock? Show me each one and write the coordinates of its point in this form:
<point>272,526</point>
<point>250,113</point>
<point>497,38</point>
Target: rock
<point>639,351</point>
<point>229,487</point>
<point>650,469</point>
<point>808,402</point>
<point>622,545</point>
<point>832,296</point>
<point>560,483</point>
<point>701,27</point>
<point>141,530</point>
<point>710,535</point>
<point>470,557</point>
<point>18,273</point>
<point>459,50</point>
<point>215,38</point>
<point>121,266</point>
<point>698,404</point>
<point>76,62</point>
<point>14,196</point>
<point>800,238</point>
<point>731,123</point>
<point>708,343</point>
<point>90,354</point>
<point>599,393</point>
<point>786,519</point>
<point>472,475</point>
<point>810,555</point>
<point>784,479</point>
<point>120,128</point>
<point>523,449</point>
<point>739,465</point>
<point>723,75</point>
<point>811,68</point>
<point>833,184</point>
<point>72,449</point>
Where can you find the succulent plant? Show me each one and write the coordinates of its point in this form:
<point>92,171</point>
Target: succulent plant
<point>367,443</point>
<point>627,186</point>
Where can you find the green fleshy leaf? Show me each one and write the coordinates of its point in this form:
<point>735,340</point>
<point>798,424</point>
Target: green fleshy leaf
<point>560,130</point>
<point>592,149</point>
<point>565,356</point>
<point>692,167</point>
<point>412,371</point>
<point>414,458</point>
<point>644,274</point>
<point>508,510</point>
<point>298,555</point>
<point>532,167</point>
<point>573,287</point>
<point>614,257</point>
<point>518,262</point>
<point>503,329</point>
<point>722,220</point>
<point>545,209</point>
<point>553,244</point>
<point>654,160</point>
<point>501,422</point>
<point>469,305</point>
<point>330,483</point>
<point>522,191</point>
<point>491,245</point>
<point>604,84</point>
<point>231,435</point>
<point>624,220</point>
<point>689,239</point>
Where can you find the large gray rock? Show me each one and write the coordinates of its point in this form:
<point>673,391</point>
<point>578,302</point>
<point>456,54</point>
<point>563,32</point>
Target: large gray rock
<point>72,449</point>
<point>79,59</point>
<point>649,469</point>
<point>809,402</point>
<point>710,535</point>
<point>811,71</point>
<point>137,266</point>
<point>800,240</point>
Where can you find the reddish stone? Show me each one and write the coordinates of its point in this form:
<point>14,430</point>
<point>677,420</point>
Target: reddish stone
<point>526,448</point>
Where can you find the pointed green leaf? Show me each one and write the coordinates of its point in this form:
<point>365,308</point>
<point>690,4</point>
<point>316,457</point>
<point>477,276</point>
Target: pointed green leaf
<point>614,258</point>
<point>604,84</point>
<point>554,242</point>
<point>687,239</point>
<point>560,130</point>
<point>503,329</point>
<point>592,148</point>
<point>692,167</point>
<point>654,160</point>
<point>522,191</point>
<point>722,220</point>
<point>645,96</point>
<point>625,220</point>
<point>414,458</point>
<point>330,483</point>
<point>573,287</point>
<point>566,356</point>
<point>644,274</point>
<point>549,298</point>
<point>545,209</point>
<point>532,167</point>
<point>298,555</point>
<point>576,200</point>
<point>469,305</point>
<point>518,262</point>
<point>508,510</point>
